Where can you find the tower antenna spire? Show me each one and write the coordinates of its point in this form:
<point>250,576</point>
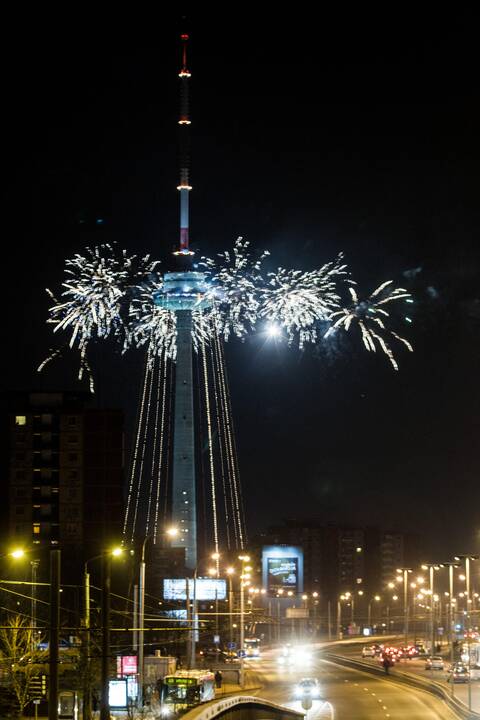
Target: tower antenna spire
<point>184,147</point>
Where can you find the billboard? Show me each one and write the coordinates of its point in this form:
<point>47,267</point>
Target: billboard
<point>117,693</point>
<point>282,569</point>
<point>126,665</point>
<point>201,588</point>
<point>282,574</point>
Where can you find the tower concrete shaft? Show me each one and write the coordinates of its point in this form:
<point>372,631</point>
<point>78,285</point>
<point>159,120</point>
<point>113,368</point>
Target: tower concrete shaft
<point>184,491</point>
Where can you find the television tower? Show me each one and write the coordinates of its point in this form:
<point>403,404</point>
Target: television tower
<point>182,293</point>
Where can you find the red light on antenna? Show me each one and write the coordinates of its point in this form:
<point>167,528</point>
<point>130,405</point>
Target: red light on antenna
<point>184,37</point>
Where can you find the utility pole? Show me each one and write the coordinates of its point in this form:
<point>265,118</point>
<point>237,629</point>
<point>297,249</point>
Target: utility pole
<point>34,564</point>
<point>105,671</point>
<point>86,645</point>
<point>55,557</point>
<point>141,623</point>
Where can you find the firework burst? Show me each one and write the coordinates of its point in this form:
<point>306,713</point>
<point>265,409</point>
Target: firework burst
<point>296,301</point>
<point>108,293</point>
<point>371,317</point>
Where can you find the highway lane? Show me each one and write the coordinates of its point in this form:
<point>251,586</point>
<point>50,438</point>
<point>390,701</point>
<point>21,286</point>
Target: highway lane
<point>417,667</point>
<point>346,694</point>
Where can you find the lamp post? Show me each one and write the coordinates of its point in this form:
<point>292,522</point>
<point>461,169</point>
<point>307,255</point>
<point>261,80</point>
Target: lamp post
<point>53,635</point>
<point>244,559</point>
<point>279,614</point>
<point>405,572</point>
<point>451,602</point>
<point>230,571</point>
<point>468,559</point>
<point>377,598</point>
<point>339,617</point>
<point>431,567</point>
<point>171,532</point>
<point>34,565</point>
<point>106,556</point>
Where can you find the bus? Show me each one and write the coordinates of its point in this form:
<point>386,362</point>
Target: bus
<point>187,688</point>
<point>252,647</point>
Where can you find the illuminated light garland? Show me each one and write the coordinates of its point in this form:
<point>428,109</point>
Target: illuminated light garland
<point>236,495</point>
<point>210,447</point>
<point>161,448</point>
<point>143,445</point>
<point>155,442</point>
<point>136,447</point>
<point>221,439</point>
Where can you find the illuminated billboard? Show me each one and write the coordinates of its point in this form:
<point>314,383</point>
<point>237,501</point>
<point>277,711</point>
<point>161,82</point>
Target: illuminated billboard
<point>117,693</point>
<point>201,588</point>
<point>282,569</point>
<point>282,574</point>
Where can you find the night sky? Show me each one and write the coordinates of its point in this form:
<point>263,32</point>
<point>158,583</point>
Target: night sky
<point>355,134</point>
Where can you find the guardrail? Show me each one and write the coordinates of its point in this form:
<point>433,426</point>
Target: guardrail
<point>419,683</point>
<point>241,702</point>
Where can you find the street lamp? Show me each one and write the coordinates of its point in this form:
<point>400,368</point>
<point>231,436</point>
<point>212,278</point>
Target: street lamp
<point>53,635</point>
<point>404,577</point>
<point>375,598</point>
<point>171,533</point>
<point>19,554</point>
<point>244,559</point>
<point>104,703</point>
<point>451,601</point>
<point>230,571</point>
<point>431,567</point>
<point>467,559</point>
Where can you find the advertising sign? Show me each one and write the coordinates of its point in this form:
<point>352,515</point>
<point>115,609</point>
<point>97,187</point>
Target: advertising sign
<point>117,693</point>
<point>126,665</point>
<point>282,574</point>
<point>202,588</point>
<point>282,570</point>
<point>296,613</point>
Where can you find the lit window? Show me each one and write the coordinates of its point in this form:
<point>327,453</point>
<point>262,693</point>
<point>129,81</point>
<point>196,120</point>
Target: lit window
<point>36,528</point>
<point>20,419</point>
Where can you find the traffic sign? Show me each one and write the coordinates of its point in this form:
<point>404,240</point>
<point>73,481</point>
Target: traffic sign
<point>37,687</point>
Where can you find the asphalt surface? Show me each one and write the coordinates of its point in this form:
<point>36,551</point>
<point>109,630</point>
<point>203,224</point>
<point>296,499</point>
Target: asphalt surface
<point>345,694</point>
<point>417,667</point>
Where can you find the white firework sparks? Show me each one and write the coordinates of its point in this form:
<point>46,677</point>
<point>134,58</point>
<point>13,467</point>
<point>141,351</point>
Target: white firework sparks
<point>150,325</point>
<point>110,294</point>
<point>296,301</point>
<point>92,297</point>
<point>235,280</point>
<point>371,316</point>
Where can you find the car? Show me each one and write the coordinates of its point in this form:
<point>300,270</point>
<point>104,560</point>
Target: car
<point>434,662</point>
<point>368,651</point>
<point>409,652</point>
<point>458,673</point>
<point>307,687</point>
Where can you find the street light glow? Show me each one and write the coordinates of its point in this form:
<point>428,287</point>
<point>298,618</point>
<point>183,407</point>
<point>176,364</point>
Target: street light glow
<point>17,553</point>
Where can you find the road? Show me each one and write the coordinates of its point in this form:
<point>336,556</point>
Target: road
<point>346,694</point>
<point>417,667</point>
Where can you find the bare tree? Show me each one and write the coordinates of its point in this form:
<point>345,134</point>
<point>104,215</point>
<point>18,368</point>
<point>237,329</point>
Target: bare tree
<point>21,661</point>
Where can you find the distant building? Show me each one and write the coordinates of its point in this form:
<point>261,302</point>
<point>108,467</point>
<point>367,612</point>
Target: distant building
<point>65,472</point>
<point>340,559</point>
